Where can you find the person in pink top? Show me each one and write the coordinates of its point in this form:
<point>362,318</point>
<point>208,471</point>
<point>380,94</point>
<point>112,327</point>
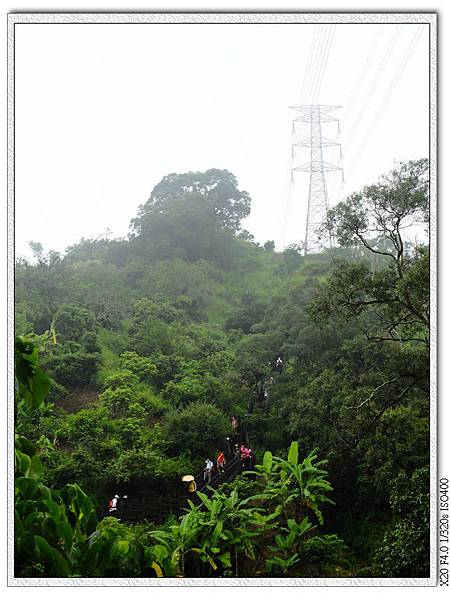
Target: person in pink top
<point>245,454</point>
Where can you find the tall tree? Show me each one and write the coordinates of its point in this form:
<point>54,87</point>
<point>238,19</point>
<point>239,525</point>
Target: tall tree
<point>218,188</point>
<point>389,296</point>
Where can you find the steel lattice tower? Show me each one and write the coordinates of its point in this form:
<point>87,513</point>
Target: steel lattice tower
<point>318,202</point>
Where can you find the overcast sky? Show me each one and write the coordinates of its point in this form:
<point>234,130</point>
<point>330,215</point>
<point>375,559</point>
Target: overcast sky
<point>103,112</point>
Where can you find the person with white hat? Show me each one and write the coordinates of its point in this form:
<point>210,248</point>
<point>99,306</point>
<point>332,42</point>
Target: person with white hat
<point>190,480</point>
<point>112,504</point>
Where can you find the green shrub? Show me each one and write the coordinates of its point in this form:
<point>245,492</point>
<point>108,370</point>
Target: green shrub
<point>200,428</point>
<point>325,555</point>
<point>71,366</point>
<point>140,366</point>
<point>153,404</point>
<point>72,321</point>
<point>404,551</point>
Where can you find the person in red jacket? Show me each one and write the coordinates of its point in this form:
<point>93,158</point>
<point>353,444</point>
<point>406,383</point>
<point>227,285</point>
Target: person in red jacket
<point>220,462</point>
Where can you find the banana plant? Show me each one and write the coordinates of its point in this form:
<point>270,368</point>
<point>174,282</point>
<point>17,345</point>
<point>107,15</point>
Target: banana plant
<point>169,559</point>
<point>284,557</point>
<point>51,526</point>
<point>305,480</point>
<point>221,529</point>
<point>241,524</point>
<point>285,481</point>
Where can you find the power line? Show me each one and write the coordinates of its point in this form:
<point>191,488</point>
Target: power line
<point>355,93</point>
<point>363,72</point>
<point>315,62</point>
<point>324,63</point>
<point>308,67</point>
<point>374,83</point>
<point>386,98</point>
<point>310,98</point>
<point>317,45</point>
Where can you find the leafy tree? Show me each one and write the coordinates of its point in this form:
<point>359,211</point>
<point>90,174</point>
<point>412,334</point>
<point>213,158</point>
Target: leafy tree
<point>269,245</point>
<point>218,190</point>
<point>22,325</point>
<point>326,556</point>
<point>120,392</point>
<point>377,215</point>
<point>150,327</point>
<point>254,357</point>
<point>140,366</point>
<point>90,343</point>
<point>72,322</point>
<point>250,312</point>
<point>46,259</point>
<point>392,302</point>
<point>189,389</point>
<point>99,286</point>
<point>199,428</point>
<point>113,551</point>
<point>188,288</point>
<point>187,229</point>
<point>386,298</point>
<point>194,382</point>
<point>146,464</point>
<point>87,249</point>
<point>71,365</point>
<point>38,288</point>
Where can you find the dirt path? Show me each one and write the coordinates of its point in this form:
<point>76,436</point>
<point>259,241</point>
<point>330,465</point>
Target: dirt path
<point>78,399</point>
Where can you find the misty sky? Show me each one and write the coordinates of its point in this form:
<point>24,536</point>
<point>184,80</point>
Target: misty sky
<point>103,112</point>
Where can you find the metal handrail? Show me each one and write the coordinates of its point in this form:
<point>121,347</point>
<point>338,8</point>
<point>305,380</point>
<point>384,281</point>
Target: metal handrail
<point>228,468</point>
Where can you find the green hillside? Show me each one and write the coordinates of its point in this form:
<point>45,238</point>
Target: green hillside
<point>152,343</point>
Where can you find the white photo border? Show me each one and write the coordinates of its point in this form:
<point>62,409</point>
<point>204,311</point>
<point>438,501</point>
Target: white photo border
<point>267,17</point>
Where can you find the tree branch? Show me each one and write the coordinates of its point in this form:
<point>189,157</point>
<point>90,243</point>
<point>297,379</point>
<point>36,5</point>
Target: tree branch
<point>373,392</point>
<point>379,415</point>
<point>365,243</point>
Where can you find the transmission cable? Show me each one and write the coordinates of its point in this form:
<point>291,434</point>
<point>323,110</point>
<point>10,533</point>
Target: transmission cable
<point>376,79</point>
<point>386,98</point>
<point>308,68</point>
<point>363,72</point>
<point>317,59</point>
<point>324,63</point>
<point>354,95</point>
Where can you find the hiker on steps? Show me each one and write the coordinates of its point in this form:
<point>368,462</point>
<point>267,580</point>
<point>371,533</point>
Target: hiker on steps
<point>112,504</point>
<point>278,365</point>
<point>207,470</point>
<point>245,455</point>
<point>220,462</point>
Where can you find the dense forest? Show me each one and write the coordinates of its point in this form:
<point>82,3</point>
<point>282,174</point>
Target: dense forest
<point>133,355</point>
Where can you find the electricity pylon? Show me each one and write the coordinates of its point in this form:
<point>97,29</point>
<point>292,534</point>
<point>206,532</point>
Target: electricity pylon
<point>318,202</point>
